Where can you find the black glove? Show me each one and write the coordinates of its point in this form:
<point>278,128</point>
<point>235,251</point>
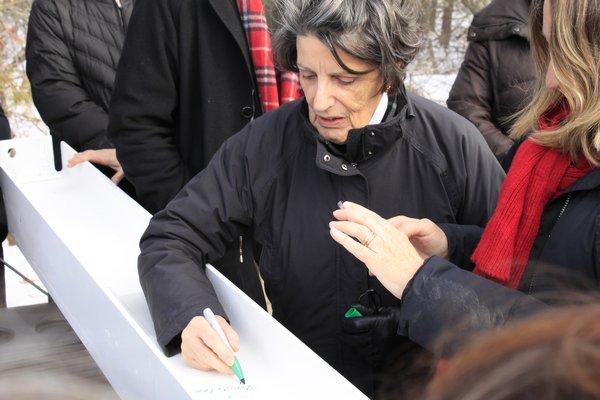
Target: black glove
<point>373,335</point>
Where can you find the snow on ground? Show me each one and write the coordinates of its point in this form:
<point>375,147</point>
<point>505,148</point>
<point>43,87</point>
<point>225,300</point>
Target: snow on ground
<point>432,86</point>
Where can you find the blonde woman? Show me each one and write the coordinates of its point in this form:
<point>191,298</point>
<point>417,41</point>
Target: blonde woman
<point>544,236</point>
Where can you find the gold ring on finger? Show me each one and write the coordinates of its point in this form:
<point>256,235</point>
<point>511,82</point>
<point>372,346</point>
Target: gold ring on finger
<point>368,239</point>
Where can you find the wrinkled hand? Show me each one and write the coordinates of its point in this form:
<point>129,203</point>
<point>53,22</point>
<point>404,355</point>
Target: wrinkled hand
<point>388,253</point>
<point>427,237</point>
<point>203,349</point>
<point>106,157</point>
<point>373,335</point>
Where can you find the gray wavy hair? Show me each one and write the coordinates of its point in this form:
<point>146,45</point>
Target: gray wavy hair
<point>385,33</point>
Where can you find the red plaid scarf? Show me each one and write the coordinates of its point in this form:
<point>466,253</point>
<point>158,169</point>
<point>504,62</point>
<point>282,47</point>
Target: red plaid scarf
<point>273,90</point>
<point>537,175</point>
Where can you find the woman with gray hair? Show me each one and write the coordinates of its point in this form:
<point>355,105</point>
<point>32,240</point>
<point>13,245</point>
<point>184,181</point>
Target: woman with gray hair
<point>356,135</point>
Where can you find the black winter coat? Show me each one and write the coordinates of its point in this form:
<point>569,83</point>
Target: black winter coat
<point>73,48</point>
<point>565,257</point>
<point>185,83</point>
<point>497,73</point>
<point>278,176</point>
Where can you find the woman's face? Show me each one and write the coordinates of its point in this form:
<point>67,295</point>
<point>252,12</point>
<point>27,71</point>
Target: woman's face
<point>337,100</point>
<point>551,82</point>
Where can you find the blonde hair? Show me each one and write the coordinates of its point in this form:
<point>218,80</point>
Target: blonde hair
<point>574,48</point>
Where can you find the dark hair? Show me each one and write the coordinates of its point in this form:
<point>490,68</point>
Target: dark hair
<point>384,33</point>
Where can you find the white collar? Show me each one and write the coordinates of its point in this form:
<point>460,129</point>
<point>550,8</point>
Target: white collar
<point>380,110</point>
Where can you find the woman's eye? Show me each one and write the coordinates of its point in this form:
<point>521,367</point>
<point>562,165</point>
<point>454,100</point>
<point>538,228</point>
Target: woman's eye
<point>346,81</point>
<point>307,76</point>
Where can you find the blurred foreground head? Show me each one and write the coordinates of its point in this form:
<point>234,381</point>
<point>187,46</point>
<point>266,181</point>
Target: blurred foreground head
<point>555,355</point>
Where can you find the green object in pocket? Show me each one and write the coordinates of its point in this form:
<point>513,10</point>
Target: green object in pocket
<point>353,313</point>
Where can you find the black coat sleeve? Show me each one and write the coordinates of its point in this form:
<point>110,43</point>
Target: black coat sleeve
<point>444,302</point>
<point>194,229</point>
<point>462,241</point>
<point>56,87</point>
<point>472,97</point>
<point>142,122</point>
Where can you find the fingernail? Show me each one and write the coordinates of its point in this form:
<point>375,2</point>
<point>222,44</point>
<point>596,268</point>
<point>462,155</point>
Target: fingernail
<point>340,204</point>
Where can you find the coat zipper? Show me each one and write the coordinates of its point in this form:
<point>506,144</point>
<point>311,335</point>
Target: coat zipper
<point>121,15</point>
<point>241,249</point>
<point>562,211</point>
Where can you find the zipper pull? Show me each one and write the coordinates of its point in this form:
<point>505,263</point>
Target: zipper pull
<point>241,250</point>
<point>121,14</point>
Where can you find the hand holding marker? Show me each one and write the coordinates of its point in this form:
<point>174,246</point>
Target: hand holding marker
<point>212,320</point>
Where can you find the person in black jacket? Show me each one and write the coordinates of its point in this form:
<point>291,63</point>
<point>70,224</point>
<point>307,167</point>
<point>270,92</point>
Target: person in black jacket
<point>4,134</point>
<point>357,134</point>
<point>72,51</point>
<point>544,236</point>
<point>495,79</point>
<point>185,83</point>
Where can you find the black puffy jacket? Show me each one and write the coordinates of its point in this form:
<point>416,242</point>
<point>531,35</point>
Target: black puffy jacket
<point>496,75</point>
<point>73,48</point>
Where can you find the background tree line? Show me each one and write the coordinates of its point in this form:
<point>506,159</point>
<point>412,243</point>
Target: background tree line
<point>445,23</point>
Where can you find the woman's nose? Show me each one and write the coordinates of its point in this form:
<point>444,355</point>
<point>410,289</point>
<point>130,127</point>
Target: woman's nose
<point>324,98</point>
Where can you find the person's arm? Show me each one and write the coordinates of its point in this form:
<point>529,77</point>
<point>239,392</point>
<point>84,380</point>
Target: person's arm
<point>144,103</point>
<point>444,304</point>
<point>462,241</point>
<point>436,295</point>
<point>56,87</point>
<point>472,97</point>
<point>478,174</point>
<point>194,229</point>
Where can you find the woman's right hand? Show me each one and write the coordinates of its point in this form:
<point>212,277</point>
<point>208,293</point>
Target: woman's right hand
<point>425,236</point>
<point>203,349</point>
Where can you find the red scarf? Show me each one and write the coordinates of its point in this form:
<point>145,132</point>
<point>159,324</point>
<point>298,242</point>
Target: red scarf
<point>272,92</point>
<point>537,175</point>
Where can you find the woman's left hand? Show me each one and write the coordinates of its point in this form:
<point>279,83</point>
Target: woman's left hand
<point>106,157</point>
<point>387,252</point>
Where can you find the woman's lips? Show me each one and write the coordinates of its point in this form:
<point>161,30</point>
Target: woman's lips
<point>330,122</point>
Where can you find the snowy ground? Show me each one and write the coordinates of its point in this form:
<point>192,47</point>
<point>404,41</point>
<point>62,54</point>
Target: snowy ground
<point>432,86</point>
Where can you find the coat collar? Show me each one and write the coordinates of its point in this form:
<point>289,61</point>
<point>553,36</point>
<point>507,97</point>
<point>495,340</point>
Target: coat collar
<point>500,20</point>
<point>363,143</point>
<point>230,16</point>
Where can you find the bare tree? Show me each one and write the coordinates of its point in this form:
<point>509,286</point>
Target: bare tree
<point>446,29</point>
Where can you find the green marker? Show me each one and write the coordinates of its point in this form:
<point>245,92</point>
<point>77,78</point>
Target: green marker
<point>212,320</point>
<point>353,313</point>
